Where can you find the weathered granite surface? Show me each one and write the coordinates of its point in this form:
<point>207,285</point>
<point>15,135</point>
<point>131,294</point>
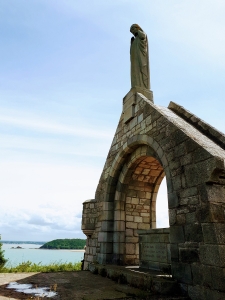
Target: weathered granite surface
<point>152,142</point>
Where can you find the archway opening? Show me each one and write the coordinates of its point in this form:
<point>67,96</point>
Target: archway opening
<point>162,216</point>
<point>135,203</point>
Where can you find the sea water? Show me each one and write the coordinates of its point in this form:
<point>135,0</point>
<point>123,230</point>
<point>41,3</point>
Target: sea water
<point>32,253</point>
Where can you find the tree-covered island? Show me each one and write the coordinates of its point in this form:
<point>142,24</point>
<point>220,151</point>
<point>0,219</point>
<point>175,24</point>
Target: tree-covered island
<point>65,244</point>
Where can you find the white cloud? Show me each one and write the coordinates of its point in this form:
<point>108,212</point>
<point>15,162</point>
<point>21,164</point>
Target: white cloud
<point>34,184</point>
<point>44,199</point>
<point>52,145</point>
<point>47,126</point>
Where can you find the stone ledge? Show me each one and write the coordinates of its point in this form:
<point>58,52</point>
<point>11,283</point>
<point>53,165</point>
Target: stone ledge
<point>211,132</point>
<point>154,231</point>
<point>89,200</point>
<point>154,281</point>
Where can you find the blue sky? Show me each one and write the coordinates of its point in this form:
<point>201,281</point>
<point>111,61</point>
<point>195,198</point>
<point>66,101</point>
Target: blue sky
<point>64,71</point>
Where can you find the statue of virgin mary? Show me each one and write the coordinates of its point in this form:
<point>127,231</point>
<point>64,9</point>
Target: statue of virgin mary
<point>140,75</point>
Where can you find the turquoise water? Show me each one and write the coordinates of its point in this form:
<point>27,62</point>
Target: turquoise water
<point>35,255</point>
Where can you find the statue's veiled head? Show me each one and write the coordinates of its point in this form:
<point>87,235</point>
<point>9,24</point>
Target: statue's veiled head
<point>134,29</point>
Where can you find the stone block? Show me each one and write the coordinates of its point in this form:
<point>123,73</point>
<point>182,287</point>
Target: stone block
<point>211,213</point>
<point>220,232</point>
<point>134,200</point>
<point>172,216</point>
<point>107,215</point>
<point>193,233</point>
<point>143,214</point>
<point>104,258</point>
<point>131,225</point>
<point>182,272</point>
<point>140,118</point>
<point>218,275</point>
<point>130,248</point>
<point>142,226</point>
<point>105,237</point>
<point>117,196</point>
<point>200,154</point>
<point>134,213</point>
<point>109,197</point>
<point>137,219</point>
<point>107,225</point>
<point>196,292</point>
<point>214,233</point>
<point>93,242</point>
<point>108,206</point>
<point>164,238</point>
<point>119,215</point>
<point>129,232</point>
<point>216,193</point>
<point>93,251</point>
<point>129,218</point>
<point>119,237</point>
<point>152,238</point>
<point>173,200</point>
<point>118,248</point>
<point>213,255</point>
<point>209,234</point>
<point>90,258</point>
<point>204,293</point>
<point>213,294</point>
<point>119,205</point>
<point>177,234</point>
<point>137,248</point>
<point>188,255</point>
<point>201,274</point>
<point>191,218</point>
<point>168,253</point>
<point>146,220</point>
<point>132,239</point>
<point>188,192</point>
<point>106,248</point>
<point>119,225</point>
<point>181,219</point>
<point>174,252</point>
<point>190,179</point>
<point>177,182</point>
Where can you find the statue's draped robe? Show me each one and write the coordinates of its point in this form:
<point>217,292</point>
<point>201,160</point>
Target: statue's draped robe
<point>140,75</point>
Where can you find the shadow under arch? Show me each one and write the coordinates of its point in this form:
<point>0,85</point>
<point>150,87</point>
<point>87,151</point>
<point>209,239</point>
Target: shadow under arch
<point>134,180</point>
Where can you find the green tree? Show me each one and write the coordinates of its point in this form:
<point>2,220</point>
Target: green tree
<point>2,258</point>
<point>65,244</point>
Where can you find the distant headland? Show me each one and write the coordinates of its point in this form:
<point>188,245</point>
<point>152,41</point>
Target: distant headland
<point>23,242</point>
<point>76,244</point>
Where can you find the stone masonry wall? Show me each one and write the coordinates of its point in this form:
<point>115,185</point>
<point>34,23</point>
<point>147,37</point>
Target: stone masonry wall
<point>194,168</point>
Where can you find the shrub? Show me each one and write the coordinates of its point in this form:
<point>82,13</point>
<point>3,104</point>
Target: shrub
<point>2,258</point>
<point>28,266</point>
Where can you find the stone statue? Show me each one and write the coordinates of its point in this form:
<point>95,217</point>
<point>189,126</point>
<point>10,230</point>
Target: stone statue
<point>140,75</point>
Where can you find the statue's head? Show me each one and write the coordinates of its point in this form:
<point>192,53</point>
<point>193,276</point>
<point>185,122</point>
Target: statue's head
<point>134,28</point>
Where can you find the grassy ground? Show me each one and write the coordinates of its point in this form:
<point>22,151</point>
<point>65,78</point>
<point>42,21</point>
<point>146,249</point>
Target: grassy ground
<point>32,267</point>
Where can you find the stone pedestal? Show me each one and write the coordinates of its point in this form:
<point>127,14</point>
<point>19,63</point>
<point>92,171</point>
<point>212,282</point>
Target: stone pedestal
<point>129,102</point>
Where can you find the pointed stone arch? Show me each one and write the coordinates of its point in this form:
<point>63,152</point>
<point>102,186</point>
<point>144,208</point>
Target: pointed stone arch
<point>135,202</point>
<point>193,163</point>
